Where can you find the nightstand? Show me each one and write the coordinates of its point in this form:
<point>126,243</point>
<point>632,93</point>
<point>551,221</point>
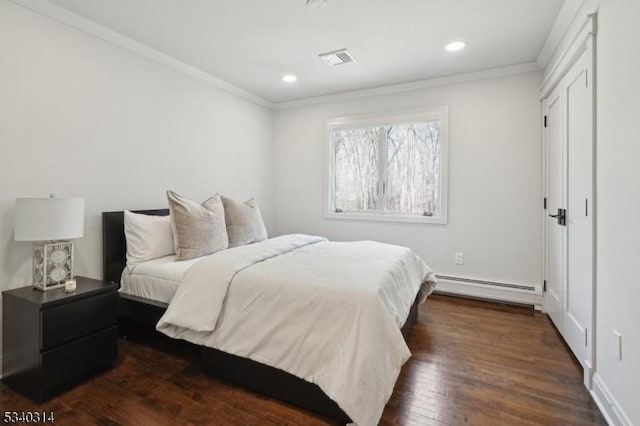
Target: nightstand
<point>54,340</point>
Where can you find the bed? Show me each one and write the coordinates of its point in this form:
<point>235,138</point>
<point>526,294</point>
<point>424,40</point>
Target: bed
<point>224,350</point>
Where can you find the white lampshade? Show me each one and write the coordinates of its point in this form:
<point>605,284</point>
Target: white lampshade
<point>48,219</point>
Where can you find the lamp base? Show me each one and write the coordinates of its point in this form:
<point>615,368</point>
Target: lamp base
<point>52,264</point>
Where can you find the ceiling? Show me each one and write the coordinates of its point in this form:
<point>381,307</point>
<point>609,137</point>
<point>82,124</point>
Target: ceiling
<point>253,43</point>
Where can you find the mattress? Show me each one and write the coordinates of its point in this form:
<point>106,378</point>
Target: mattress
<point>156,279</point>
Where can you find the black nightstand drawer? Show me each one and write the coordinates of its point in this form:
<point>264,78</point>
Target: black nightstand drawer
<point>77,319</point>
<point>67,365</point>
<point>52,340</point>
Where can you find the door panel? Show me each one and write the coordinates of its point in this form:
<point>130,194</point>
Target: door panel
<point>579,295</point>
<point>555,200</point>
<point>570,184</point>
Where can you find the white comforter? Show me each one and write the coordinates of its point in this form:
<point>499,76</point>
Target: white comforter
<point>327,312</point>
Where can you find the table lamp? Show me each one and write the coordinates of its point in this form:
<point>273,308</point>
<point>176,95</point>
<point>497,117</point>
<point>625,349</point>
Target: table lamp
<point>50,223</point>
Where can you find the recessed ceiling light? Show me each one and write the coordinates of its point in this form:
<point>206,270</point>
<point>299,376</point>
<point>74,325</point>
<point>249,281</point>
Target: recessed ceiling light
<point>317,4</point>
<point>289,78</point>
<point>456,45</point>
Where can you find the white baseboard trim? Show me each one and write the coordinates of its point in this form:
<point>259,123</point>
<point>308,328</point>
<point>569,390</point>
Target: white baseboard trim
<point>588,375</point>
<point>609,407</point>
<point>485,290</point>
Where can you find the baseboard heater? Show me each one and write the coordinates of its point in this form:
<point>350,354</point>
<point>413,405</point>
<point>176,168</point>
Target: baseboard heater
<point>487,283</point>
<point>491,290</point>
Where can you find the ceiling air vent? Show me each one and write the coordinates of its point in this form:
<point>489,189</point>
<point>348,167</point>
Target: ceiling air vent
<point>338,57</point>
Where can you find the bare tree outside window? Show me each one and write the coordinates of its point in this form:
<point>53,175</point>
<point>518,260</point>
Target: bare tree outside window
<point>394,169</point>
<point>356,176</point>
<point>413,168</point>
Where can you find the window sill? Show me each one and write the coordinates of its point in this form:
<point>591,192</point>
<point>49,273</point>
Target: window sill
<point>375,217</point>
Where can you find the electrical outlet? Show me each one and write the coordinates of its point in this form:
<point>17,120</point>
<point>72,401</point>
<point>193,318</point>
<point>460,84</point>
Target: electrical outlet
<point>459,258</point>
<point>617,344</point>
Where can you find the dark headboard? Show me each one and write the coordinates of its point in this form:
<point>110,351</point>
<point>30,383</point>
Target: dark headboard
<point>114,246</point>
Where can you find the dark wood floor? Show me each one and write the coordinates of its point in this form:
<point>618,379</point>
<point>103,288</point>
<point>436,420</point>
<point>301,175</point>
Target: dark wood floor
<point>474,363</point>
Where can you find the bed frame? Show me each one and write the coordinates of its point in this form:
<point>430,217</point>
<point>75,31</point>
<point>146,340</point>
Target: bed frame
<point>234,369</point>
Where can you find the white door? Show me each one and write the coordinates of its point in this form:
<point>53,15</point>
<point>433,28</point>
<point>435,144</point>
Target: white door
<point>570,176</point>
<point>579,134</point>
<point>556,235</point>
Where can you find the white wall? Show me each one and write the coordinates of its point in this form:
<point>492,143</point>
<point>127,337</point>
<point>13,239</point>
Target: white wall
<point>618,203</point>
<point>494,178</point>
<point>81,117</point>
<point>618,186</point>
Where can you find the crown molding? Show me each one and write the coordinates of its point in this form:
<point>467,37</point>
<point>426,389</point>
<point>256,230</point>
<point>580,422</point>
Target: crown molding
<point>416,85</point>
<point>563,61</point>
<point>560,27</point>
<point>73,20</point>
<point>80,23</point>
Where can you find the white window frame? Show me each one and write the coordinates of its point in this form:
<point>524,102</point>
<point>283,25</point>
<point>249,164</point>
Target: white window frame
<point>397,118</point>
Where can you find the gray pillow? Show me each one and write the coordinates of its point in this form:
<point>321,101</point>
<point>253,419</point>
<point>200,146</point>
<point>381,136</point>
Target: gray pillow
<point>244,222</point>
<point>198,229</point>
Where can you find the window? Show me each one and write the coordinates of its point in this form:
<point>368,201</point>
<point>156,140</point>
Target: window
<point>391,168</point>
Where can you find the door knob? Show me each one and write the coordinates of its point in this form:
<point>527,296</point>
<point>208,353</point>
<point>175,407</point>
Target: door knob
<point>561,217</point>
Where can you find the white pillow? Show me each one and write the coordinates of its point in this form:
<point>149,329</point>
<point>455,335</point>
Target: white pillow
<point>148,237</point>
